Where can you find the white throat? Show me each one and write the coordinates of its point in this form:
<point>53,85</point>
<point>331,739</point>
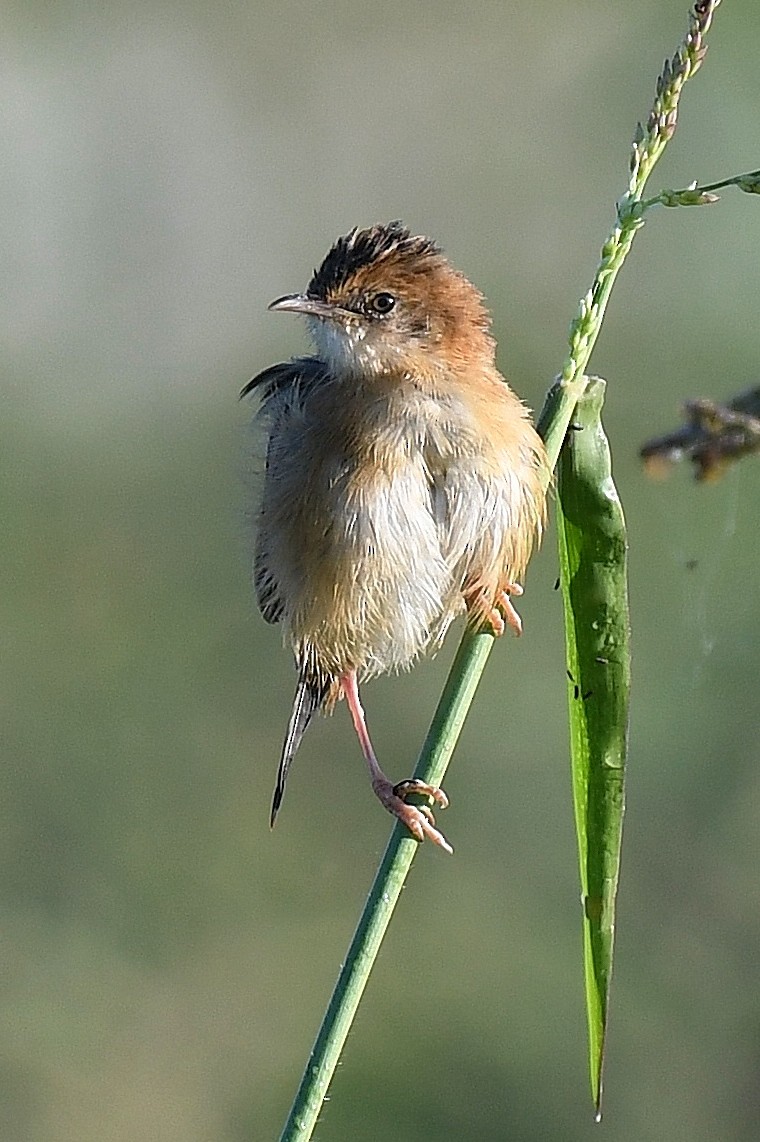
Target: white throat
<point>345,347</point>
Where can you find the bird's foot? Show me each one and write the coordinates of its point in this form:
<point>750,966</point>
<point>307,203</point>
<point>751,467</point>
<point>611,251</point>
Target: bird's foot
<point>503,614</point>
<point>500,614</point>
<point>418,819</point>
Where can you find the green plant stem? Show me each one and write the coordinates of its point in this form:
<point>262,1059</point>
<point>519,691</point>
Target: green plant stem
<point>386,889</point>
<point>749,182</point>
<point>474,649</point>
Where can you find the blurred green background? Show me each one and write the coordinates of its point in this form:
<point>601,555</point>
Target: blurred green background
<point>167,170</point>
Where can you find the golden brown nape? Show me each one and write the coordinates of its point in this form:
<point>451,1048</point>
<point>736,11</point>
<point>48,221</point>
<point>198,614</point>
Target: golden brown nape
<point>405,483</point>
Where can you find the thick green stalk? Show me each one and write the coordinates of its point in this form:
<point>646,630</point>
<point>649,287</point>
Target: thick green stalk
<point>593,558</point>
<point>386,889</point>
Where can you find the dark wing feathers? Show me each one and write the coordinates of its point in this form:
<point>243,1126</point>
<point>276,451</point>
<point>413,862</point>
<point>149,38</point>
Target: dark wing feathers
<point>296,376</point>
<point>269,380</point>
<point>268,594</point>
<point>281,387</point>
<point>277,378</point>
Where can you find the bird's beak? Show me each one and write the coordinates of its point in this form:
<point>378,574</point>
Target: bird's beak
<point>311,306</point>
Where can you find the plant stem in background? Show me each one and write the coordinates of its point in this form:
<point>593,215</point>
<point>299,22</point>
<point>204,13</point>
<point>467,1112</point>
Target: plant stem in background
<point>716,435</point>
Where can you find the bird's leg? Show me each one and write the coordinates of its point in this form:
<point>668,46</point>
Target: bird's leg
<point>501,614</point>
<point>418,819</point>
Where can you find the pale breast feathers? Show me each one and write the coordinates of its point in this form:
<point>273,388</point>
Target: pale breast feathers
<point>376,515</point>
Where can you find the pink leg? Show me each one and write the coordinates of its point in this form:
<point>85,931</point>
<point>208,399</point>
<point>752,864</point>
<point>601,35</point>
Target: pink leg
<point>417,818</point>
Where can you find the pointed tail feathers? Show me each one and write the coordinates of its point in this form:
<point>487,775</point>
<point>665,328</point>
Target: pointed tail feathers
<point>310,694</point>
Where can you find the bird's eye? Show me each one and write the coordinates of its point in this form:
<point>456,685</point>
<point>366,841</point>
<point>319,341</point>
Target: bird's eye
<point>382,303</point>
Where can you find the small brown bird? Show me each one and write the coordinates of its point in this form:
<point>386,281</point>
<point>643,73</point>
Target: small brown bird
<point>404,482</point>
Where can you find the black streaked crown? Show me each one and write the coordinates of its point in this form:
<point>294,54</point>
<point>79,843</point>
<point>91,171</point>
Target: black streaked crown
<point>361,248</point>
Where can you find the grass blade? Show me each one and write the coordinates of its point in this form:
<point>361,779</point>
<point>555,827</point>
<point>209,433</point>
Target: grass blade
<point>593,556</point>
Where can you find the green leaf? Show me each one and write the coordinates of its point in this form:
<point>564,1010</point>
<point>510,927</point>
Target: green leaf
<point>593,556</point>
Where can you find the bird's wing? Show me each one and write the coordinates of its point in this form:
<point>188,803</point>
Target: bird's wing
<point>297,373</point>
<point>282,388</point>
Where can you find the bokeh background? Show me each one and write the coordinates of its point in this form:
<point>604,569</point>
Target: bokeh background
<point>165,961</point>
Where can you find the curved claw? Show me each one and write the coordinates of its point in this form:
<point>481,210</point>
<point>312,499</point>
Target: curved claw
<point>418,819</point>
<point>426,812</point>
<point>498,615</point>
<point>504,611</point>
<point>413,785</point>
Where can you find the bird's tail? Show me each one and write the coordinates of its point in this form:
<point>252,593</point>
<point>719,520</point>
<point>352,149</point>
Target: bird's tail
<point>309,696</point>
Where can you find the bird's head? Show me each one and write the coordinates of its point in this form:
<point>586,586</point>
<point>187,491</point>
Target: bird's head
<point>386,301</point>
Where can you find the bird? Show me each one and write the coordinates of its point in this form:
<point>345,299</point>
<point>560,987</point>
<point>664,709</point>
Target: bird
<point>405,484</point>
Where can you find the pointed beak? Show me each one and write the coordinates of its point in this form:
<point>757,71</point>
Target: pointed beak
<point>300,303</point>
